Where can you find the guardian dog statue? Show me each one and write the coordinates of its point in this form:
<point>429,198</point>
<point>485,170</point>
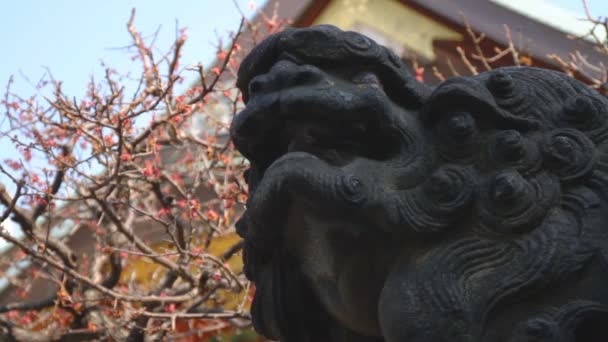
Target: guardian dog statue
<point>382,209</point>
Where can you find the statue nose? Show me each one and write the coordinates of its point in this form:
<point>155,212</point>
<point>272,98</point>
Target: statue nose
<point>283,75</point>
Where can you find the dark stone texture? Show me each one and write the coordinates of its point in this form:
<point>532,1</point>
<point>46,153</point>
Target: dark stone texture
<point>383,210</point>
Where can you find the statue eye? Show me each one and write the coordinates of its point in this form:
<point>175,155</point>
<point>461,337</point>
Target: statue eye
<point>366,77</point>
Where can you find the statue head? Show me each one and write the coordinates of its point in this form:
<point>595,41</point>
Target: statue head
<point>381,209</point>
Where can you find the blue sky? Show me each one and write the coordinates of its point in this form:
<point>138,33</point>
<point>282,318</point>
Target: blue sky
<point>71,37</point>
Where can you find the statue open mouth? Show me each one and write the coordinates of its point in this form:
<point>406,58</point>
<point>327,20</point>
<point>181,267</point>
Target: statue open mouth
<point>383,210</point>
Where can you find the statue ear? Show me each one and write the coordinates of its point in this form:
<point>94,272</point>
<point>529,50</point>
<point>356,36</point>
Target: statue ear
<point>284,307</point>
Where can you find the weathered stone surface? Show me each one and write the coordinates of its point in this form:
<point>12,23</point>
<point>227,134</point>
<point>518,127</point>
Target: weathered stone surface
<point>384,210</point>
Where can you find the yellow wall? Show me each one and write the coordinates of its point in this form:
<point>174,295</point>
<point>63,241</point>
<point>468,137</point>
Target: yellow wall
<point>392,19</point>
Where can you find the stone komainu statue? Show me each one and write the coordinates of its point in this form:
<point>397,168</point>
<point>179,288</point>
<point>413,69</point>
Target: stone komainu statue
<point>384,210</point>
